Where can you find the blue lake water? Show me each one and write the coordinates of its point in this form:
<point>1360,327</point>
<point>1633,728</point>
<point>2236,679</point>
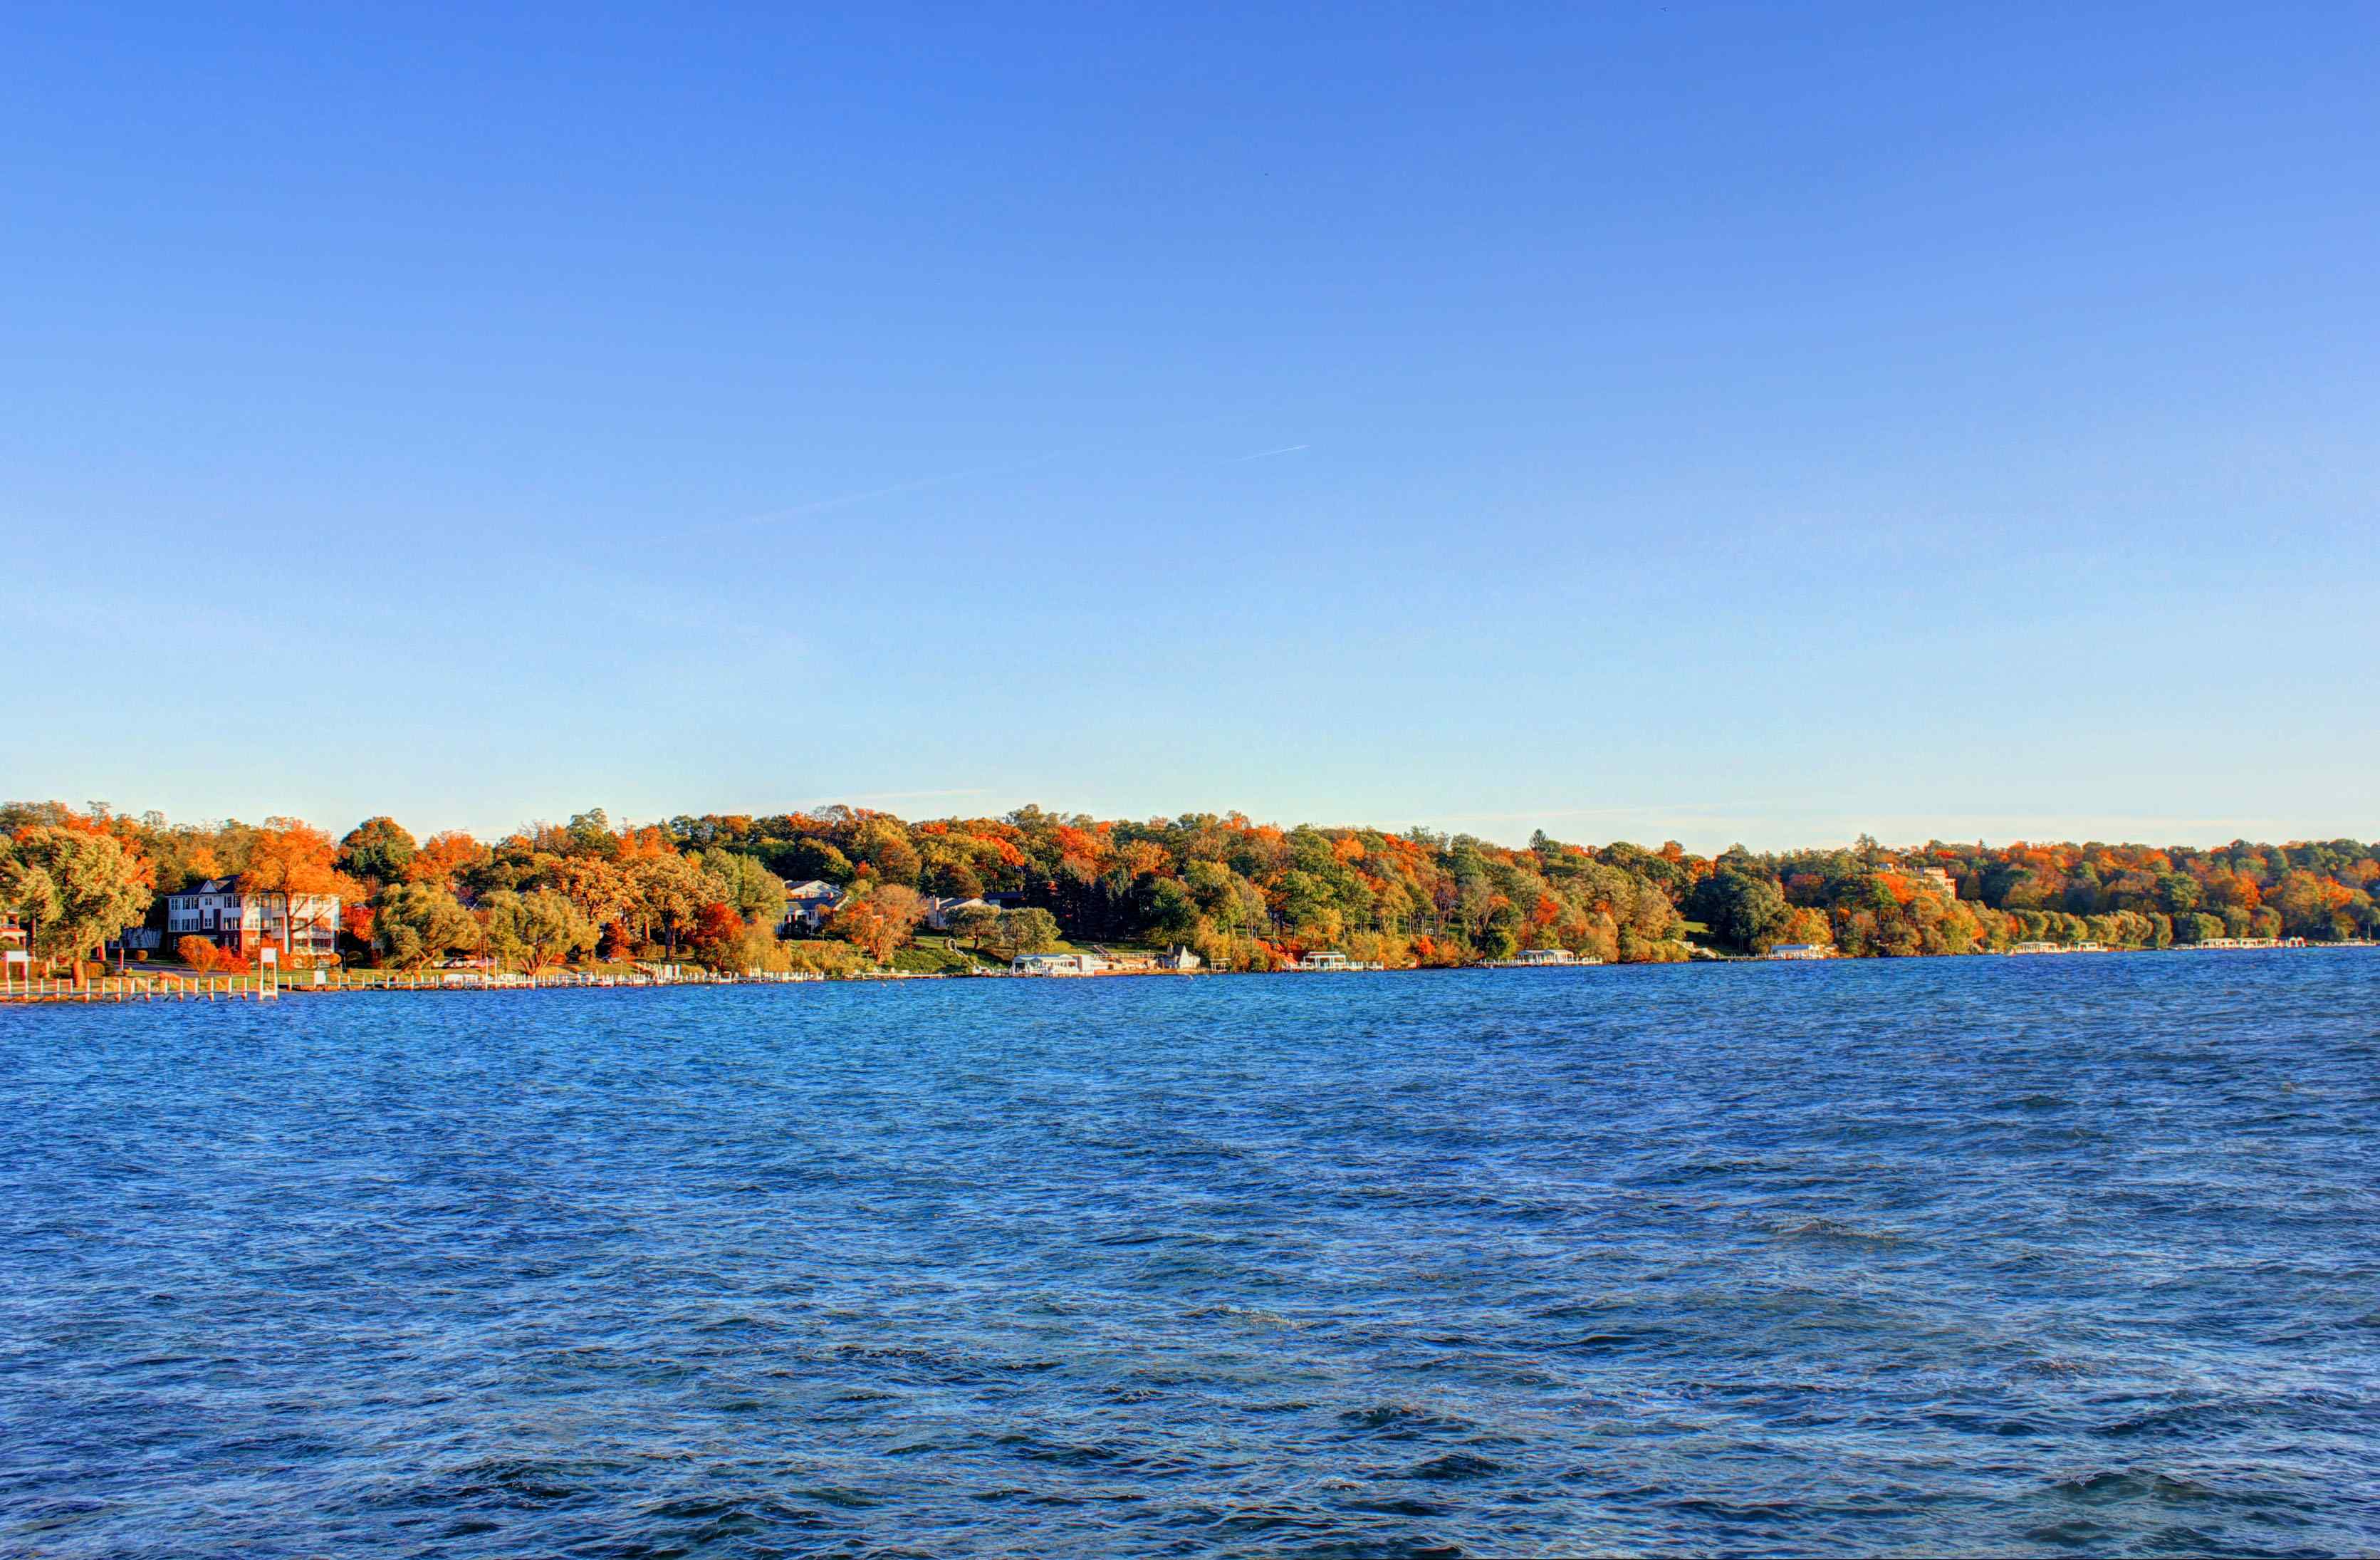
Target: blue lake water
<point>1961,1255</point>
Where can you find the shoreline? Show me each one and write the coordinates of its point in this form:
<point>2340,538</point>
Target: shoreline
<point>160,986</point>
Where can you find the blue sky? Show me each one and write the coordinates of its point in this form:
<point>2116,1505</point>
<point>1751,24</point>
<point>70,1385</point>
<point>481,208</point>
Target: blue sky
<point>1694,421</point>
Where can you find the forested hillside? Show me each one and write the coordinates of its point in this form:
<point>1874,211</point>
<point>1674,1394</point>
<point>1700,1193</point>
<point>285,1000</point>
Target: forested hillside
<point>1243,895</point>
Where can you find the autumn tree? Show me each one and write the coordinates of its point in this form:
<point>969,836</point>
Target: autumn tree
<point>884,846</point>
<point>753,949</point>
<point>974,923</point>
<point>809,857</point>
<point>1739,906</point>
<point>74,887</point>
<point>753,891</point>
<point>903,903</point>
<point>377,850</point>
<point>666,892</point>
<point>1029,931</point>
<point>444,858</point>
<point>716,929</point>
<point>594,884</point>
<point>882,920</point>
<point>537,928</point>
<point>292,860</point>
<point>414,923</point>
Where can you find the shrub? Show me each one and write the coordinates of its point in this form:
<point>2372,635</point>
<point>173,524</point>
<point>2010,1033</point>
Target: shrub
<point>822,958</point>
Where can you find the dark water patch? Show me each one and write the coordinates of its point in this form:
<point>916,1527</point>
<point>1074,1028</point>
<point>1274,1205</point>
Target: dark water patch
<point>1456,1466</point>
<point>1608,1342</point>
<point>1393,1422</point>
<point>1385,1548</point>
<point>1034,1448</point>
<point>1824,1231</point>
<point>2177,1420</point>
<point>519,1481</point>
<point>1396,1505</point>
<point>2127,1485</point>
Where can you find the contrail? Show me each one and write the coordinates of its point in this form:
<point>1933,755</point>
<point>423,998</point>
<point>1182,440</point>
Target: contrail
<point>1285,449</point>
<point>821,505</point>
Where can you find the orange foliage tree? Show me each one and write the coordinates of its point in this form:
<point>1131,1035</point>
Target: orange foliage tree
<point>292,860</point>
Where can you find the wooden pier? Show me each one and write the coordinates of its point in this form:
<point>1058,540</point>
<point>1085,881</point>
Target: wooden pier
<point>142,988</point>
<point>268,987</point>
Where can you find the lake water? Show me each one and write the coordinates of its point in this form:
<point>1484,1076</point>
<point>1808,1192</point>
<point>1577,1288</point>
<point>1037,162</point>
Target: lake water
<point>1960,1255</point>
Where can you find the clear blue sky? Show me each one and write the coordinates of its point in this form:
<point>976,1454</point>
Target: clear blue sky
<point>1719,422</point>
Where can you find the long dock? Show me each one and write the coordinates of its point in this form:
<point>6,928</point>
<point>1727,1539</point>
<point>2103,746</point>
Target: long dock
<point>142,988</point>
<point>299,982</point>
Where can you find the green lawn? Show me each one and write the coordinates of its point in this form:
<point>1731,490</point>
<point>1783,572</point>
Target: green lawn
<point>932,951</point>
<point>933,954</point>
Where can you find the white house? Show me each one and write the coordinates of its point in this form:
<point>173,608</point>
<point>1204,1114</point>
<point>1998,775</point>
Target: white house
<point>1322,962</point>
<point>237,918</point>
<point>1180,959</point>
<point>1800,950</point>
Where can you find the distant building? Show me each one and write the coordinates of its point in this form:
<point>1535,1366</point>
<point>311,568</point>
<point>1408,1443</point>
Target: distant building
<point>1323,961</point>
<point>1180,959</point>
<point>1056,963</point>
<point>808,904</point>
<point>1545,955</point>
<point>1938,879</point>
<point>240,920</point>
<point>938,910</point>
<point>1800,950</point>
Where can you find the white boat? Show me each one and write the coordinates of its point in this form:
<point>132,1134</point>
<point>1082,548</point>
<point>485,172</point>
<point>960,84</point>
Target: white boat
<point>1543,958</point>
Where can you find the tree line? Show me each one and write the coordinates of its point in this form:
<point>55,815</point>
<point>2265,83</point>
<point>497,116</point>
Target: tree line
<point>1242,894</point>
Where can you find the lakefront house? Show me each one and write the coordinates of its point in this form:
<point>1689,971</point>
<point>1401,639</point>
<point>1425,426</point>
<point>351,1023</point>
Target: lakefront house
<point>239,920</point>
<point>807,905</point>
